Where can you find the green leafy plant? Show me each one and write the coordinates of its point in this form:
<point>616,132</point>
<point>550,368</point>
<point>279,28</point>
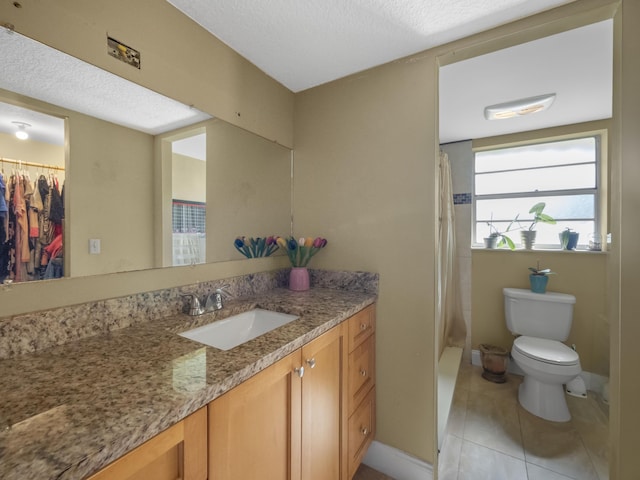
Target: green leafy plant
<point>504,238</point>
<point>539,216</point>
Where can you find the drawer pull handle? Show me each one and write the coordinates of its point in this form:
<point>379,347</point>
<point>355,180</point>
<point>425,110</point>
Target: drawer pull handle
<point>363,372</point>
<point>363,326</point>
<point>364,431</point>
<point>299,371</point>
<point>311,362</point>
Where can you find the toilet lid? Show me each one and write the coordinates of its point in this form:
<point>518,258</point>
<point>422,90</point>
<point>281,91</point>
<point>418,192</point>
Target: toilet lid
<point>548,351</point>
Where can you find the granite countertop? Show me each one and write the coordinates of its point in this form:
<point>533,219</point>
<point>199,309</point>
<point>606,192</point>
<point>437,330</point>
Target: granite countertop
<point>68,411</point>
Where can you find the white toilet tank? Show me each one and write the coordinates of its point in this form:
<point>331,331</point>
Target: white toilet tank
<point>543,315</point>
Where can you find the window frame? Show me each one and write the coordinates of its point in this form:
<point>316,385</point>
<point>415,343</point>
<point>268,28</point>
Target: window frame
<point>598,191</point>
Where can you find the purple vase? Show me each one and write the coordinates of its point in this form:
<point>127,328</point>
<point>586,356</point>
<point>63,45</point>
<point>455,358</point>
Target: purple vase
<point>299,279</point>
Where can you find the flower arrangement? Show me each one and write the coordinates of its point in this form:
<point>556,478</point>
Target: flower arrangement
<point>302,250</point>
<point>256,247</point>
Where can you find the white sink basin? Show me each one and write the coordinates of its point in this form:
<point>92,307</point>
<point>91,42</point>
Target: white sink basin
<point>238,329</point>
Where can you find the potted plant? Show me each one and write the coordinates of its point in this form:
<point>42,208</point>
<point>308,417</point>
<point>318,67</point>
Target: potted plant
<point>497,238</point>
<point>568,239</point>
<point>528,235</point>
<point>538,278</point>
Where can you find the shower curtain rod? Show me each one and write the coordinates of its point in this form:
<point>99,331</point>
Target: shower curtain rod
<point>30,164</point>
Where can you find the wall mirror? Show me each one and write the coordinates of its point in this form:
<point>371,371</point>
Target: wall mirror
<point>114,151</point>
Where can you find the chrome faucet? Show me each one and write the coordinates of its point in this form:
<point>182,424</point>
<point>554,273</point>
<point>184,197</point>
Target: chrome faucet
<point>212,302</point>
<point>195,308</point>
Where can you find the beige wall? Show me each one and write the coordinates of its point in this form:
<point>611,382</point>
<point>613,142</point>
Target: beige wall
<point>365,178</point>
<point>109,197</point>
<point>625,255</point>
<point>582,274</point>
<point>189,178</point>
<point>31,151</point>
<point>253,178</point>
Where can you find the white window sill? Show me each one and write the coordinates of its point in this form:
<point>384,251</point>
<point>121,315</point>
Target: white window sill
<point>580,249</point>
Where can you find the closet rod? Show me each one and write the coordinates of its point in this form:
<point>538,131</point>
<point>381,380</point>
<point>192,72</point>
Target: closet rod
<point>31,164</point>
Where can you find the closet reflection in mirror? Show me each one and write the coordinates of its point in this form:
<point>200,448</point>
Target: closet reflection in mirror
<point>32,175</point>
<point>118,186</point>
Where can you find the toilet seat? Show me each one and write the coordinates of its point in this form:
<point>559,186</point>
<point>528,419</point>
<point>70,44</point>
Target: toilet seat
<point>547,351</point>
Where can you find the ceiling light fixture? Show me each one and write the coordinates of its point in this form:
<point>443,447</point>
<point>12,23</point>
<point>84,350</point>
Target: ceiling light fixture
<point>21,133</point>
<point>524,106</point>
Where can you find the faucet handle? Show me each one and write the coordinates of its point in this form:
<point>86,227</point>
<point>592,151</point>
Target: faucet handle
<point>194,305</point>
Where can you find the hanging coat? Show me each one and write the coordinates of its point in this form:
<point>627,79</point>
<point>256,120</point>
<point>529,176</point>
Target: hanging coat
<point>56,211</point>
<point>22,230</point>
<point>3,203</point>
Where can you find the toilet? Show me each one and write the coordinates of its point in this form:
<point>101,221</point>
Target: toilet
<point>541,322</point>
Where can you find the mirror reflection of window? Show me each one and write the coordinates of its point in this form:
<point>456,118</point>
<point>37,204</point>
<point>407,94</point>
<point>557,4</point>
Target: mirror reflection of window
<point>189,199</point>
<point>32,177</point>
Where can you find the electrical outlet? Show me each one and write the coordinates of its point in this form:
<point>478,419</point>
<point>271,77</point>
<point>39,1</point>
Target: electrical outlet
<point>94,246</point>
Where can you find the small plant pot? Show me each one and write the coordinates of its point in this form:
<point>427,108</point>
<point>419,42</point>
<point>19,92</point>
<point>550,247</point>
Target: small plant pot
<point>495,361</point>
<point>538,283</point>
<point>490,242</point>
<point>569,240</point>
<point>528,238</point>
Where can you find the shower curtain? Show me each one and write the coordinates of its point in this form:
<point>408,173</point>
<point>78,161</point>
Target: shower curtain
<point>451,327</point>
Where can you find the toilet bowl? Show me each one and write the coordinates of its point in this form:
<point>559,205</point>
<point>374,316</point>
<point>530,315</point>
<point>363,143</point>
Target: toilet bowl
<point>541,323</point>
<point>547,365</point>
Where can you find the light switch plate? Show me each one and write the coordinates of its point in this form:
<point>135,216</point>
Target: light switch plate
<point>94,246</point>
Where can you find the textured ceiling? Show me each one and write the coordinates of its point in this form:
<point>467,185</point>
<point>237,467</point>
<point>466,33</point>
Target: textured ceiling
<point>303,44</point>
<point>37,71</point>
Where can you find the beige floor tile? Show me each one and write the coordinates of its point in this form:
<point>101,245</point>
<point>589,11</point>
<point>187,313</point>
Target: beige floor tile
<point>585,412</point>
<point>481,463</point>
<point>449,458</point>
<point>482,416</point>
<point>592,424</point>
<point>556,446</point>
<point>538,473</point>
<point>492,421</point>
<point>509,389</point>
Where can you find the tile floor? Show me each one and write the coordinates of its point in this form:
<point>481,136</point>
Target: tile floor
<point>490,436</point>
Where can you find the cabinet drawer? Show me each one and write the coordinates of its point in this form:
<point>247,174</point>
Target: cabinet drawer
<point>362,425</point>
<point>361,326</point>
<point>361,372</point>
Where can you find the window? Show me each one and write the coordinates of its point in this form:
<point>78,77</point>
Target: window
<point>563,174</point>
<point>189,239</point>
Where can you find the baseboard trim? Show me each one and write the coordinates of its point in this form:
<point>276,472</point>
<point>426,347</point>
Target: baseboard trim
<point>593,381</point>
<point>396,463</point>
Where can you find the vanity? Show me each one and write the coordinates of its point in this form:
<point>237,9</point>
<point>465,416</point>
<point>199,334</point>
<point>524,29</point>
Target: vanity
<point>143,402</point>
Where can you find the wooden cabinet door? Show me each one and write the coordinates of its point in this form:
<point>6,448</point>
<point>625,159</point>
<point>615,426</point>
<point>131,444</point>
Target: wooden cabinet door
<point>322,407</point>
<point>254,429</point>
<point>178,453</point>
